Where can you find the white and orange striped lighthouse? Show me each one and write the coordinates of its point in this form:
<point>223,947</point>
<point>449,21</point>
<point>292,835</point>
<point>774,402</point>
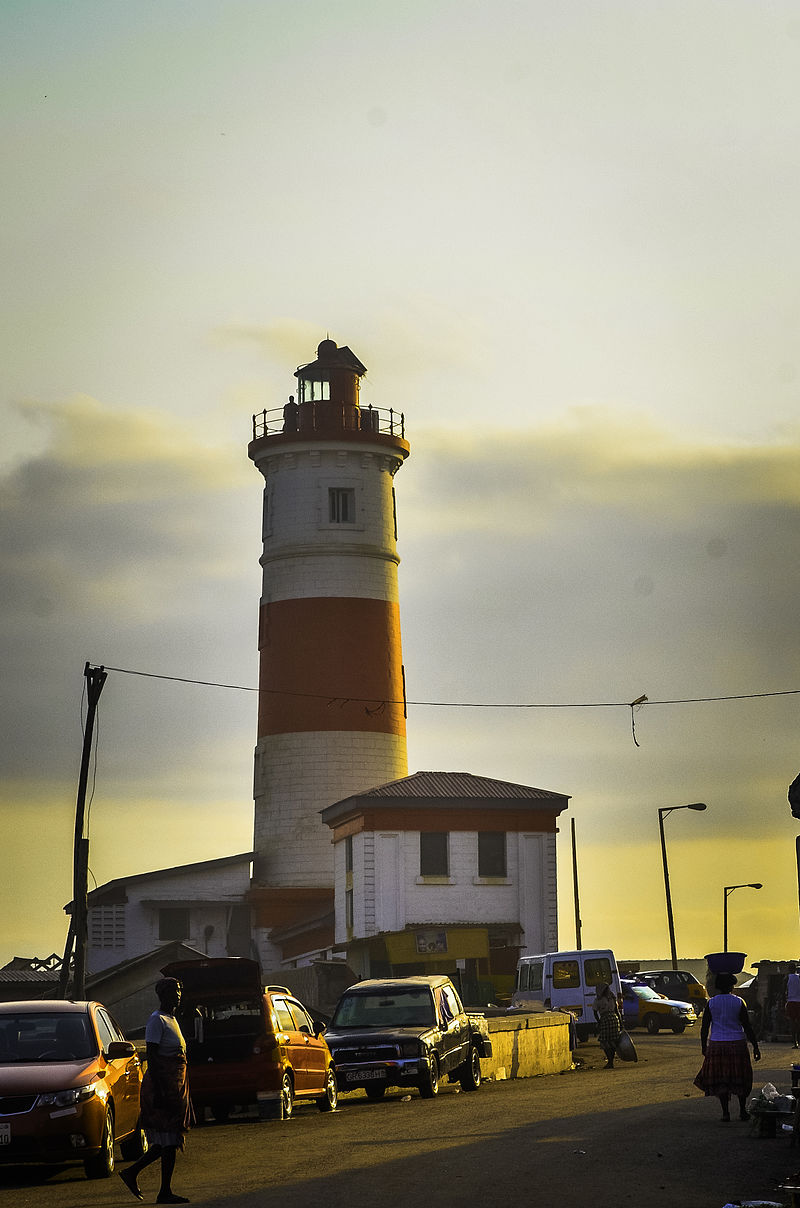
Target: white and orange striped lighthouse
<point>331,715</point>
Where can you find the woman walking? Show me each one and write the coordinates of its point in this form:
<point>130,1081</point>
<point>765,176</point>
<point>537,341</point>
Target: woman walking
<point>724,1033</point>
<point>166,1108</point>
<point>609,1024</point>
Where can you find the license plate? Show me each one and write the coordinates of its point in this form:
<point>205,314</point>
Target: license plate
<point>363,1075</point>
<point>5,1134</point>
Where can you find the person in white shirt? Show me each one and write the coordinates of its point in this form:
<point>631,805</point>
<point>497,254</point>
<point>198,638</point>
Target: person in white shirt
<point>724,1032</point>
<point>166,1108</point>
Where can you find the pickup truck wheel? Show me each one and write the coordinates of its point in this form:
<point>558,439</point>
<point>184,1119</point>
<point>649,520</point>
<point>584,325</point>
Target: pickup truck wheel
<point>375,1091</point>
<point>651,1024</point>
<point>470,1077</point>
<point>429,1080</point>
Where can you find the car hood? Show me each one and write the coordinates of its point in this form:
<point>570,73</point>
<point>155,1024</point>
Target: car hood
<point>35,1078</point>
<point>357,1036</point>
<point>685,1007</point>
<point>666,1004</point>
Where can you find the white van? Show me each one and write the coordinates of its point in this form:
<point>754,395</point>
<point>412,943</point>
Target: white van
<point>566,981</point>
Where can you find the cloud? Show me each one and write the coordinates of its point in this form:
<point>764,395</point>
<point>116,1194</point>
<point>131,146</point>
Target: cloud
<point>584,564</point>
<point>127,541</point>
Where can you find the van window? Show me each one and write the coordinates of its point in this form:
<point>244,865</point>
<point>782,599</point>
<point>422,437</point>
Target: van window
<point>529,976</point>
<point>566,975</point>
<point>597,969</point>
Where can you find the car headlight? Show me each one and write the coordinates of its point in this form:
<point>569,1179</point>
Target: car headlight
<point>76,1094</point>
<point>675,1011</point>
<point>410,1048</point>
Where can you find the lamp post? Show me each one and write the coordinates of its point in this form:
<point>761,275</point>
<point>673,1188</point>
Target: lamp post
<point>728,889</point>
<point>696,805</point>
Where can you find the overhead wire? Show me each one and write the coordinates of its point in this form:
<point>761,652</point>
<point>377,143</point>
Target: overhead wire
<point>450,704</point>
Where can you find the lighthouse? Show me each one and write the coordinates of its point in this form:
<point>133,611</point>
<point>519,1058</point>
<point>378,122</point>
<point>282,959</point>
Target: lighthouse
<point>331,704</point>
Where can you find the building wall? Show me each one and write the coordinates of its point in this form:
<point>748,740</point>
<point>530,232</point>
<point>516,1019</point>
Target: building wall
<point>538,892</point>
<point>389,894</point>
<point>210,896</point>
<point>296,776</point>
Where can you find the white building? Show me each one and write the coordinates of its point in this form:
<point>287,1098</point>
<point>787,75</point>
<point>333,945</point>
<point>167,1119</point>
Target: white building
<point>444,870</point>
<point>203,905</point>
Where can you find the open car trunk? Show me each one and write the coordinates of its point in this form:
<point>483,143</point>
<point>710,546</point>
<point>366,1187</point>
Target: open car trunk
<point>221,1013</point>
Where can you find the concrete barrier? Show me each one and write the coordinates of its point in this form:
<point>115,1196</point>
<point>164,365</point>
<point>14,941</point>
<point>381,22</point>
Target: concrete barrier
<point>524,1045</point>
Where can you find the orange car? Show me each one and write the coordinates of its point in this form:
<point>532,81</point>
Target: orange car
<point>69,1086</point>
<point>249,1044</point>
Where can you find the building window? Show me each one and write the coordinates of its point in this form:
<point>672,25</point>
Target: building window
<point>348,912</point>
<point>341,505</point>
<point>491,854</point>
<point>107,926</point>
<point>348,854</point>
<point>433,861</point>
<point>173,923</point>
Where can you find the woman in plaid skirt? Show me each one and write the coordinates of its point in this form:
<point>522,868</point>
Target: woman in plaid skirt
<point>724,1033</point>
<point>609,1024</point>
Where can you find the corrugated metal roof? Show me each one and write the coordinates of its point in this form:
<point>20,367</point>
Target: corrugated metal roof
<point>429,785</point>
<point>37,976</point>
<point>178,870</point>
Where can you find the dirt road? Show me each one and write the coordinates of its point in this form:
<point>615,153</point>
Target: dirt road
<point>640,1134</point>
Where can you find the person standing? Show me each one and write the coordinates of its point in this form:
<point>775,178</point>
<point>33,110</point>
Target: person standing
<point>792,1007</point>
<point>166,1108</point>
<point>609,1024</point>
<point>724,1032</point>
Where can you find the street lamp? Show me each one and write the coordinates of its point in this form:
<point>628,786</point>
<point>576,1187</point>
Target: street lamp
<point>728,889</point>
<point>668,809</point>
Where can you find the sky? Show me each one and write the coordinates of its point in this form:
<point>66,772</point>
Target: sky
<point>563,240</point>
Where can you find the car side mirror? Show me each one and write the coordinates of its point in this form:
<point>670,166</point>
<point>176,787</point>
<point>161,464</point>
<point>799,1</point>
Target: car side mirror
<point>120,1048</point>
<point>319,1027</point>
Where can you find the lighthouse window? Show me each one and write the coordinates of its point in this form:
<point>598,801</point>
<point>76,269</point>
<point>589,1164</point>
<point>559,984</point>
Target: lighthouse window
<point>315,392</point>
<point>341,505</point>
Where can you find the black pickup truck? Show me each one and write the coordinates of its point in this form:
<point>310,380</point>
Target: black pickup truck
<point>406,1031</point>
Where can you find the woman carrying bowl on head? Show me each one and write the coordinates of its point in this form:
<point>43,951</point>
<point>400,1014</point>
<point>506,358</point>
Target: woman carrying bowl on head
<point>724,1033</point>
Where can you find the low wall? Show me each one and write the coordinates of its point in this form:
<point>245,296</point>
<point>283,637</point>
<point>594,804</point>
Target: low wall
<point>526,1045</point>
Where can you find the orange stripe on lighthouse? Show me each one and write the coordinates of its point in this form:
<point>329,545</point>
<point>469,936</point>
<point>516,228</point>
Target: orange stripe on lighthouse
<point>330,663</point>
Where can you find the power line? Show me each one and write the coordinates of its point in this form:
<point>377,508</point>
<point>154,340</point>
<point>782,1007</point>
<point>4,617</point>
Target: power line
<point>451,704</point>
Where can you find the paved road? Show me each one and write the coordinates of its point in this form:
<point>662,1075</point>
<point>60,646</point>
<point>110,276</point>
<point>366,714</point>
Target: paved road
<point>640,1134</point>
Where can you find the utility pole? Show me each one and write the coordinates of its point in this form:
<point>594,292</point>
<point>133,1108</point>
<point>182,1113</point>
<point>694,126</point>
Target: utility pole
<point>78,928</point>
<point>575,888</point>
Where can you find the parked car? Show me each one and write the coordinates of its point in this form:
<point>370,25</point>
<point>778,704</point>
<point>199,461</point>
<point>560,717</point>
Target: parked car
<point>69,1086</point>
<point>642,1006</point>
<point>677,983</point>
<point>249,1044</point>
<point>406,1031</point>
